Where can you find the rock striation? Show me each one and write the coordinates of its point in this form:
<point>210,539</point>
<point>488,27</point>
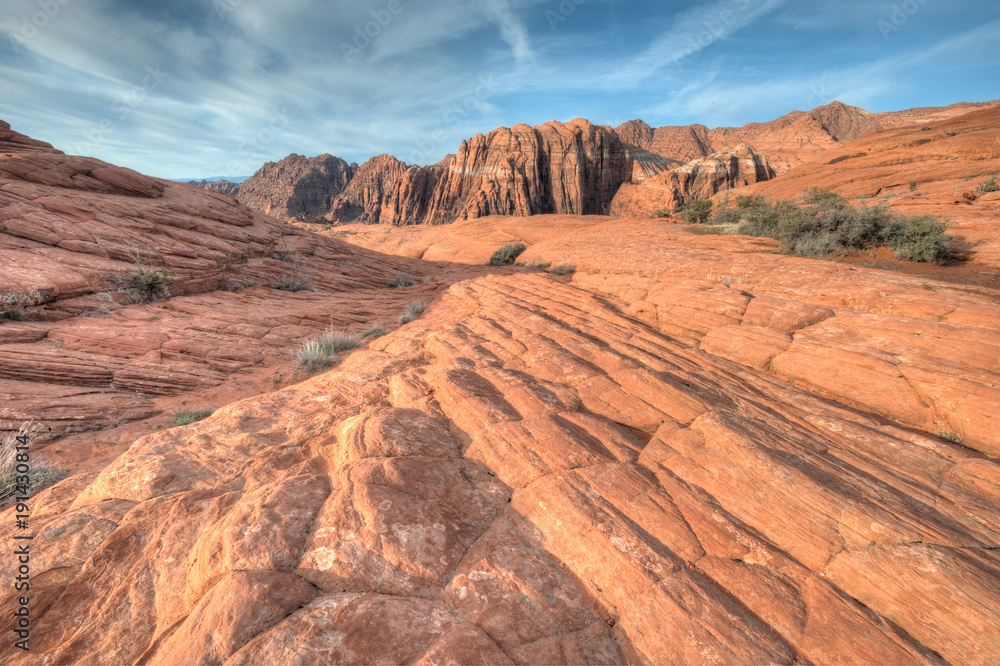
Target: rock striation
<point>365,195</point>
<point>528,475</point>
<point>701,178</point>
<point>572,168</point>
<point>80,353</point>
<point>691,450</point>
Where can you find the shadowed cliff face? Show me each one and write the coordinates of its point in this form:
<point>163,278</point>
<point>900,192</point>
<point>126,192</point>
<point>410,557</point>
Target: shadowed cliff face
<point>296,185</point>
<point>572,168</point>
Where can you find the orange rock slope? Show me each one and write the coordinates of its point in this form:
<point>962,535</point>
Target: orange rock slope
<point>690,451</point>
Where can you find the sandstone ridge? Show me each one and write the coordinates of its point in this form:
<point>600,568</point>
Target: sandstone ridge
<point>685,449</point>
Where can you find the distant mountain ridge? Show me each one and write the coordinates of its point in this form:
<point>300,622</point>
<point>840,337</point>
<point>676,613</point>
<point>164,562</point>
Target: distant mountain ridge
<point>574,168</point>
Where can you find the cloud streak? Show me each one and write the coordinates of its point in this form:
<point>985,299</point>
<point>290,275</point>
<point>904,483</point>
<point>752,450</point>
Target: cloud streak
<point>230,73</point>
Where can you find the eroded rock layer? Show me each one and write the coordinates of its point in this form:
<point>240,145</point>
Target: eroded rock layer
<point>699,179</point>
<point>525,475</point>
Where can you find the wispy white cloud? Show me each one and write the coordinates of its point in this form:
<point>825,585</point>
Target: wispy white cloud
<point>229,74</point>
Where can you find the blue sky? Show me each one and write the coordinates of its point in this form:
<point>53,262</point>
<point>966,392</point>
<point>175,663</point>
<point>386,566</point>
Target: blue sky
<point>185,88</point>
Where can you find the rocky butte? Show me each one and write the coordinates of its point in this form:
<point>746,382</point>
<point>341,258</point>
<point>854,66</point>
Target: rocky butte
<point>574,168</point>
<point>680,448</point>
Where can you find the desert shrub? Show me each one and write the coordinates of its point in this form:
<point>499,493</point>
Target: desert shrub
<point>149,286</point>
<point>338,341</point>
<point>189,416</point>
<point>697,212</point>
<point>918,238</point>
<point>412,311</point>
<point>293,285</point>
<point>563,270</point>
<point>323,351</point>
<point>145,285</point>
<point>990,185</point>
<point>294,278</point>
<point>506,255</point>
<point>400,281</point>
<point>40,474</point>
<point>372,332</point>
<point>312,356</point>
<point>238,287</point>
<point>661,213</point>
<point>824,224</point>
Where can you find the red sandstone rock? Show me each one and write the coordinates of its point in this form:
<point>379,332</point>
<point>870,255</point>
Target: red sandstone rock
<point>699,179</point>
<point>691,450</point>
<point>297,185</point>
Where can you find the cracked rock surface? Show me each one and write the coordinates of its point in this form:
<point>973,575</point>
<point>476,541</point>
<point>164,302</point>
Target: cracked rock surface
<point>527,474</point>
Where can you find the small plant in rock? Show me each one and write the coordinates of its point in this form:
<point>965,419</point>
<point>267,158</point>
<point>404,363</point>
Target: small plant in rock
<point>697,212</point>
<point>312,356</point>
<point>563,270</point>
<point>412,311</point>
<point>323,351</point>
<point>987,186</point>
<point>295,278</point>
<point>400,281</point>
<point>16,476</point>
<point>372,332</point>
<point>145,285</point>
<point>661,213</point>
<point>506,255</point>
<point>189,416</point>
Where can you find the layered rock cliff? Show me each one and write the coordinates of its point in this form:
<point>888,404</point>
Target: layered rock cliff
<point>361,200</point>
<point>224,186</point>
<point>699,179</point>
<point>297,185</point>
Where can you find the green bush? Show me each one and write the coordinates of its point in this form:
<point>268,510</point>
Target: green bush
<point>189,416</point>
<point>918,238</point>
<point>990,185</point>
<point>563,270</point>
<point>506,255</point>
<point>697,212</point>
<point>826,224</point>
<point>150,286</point>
